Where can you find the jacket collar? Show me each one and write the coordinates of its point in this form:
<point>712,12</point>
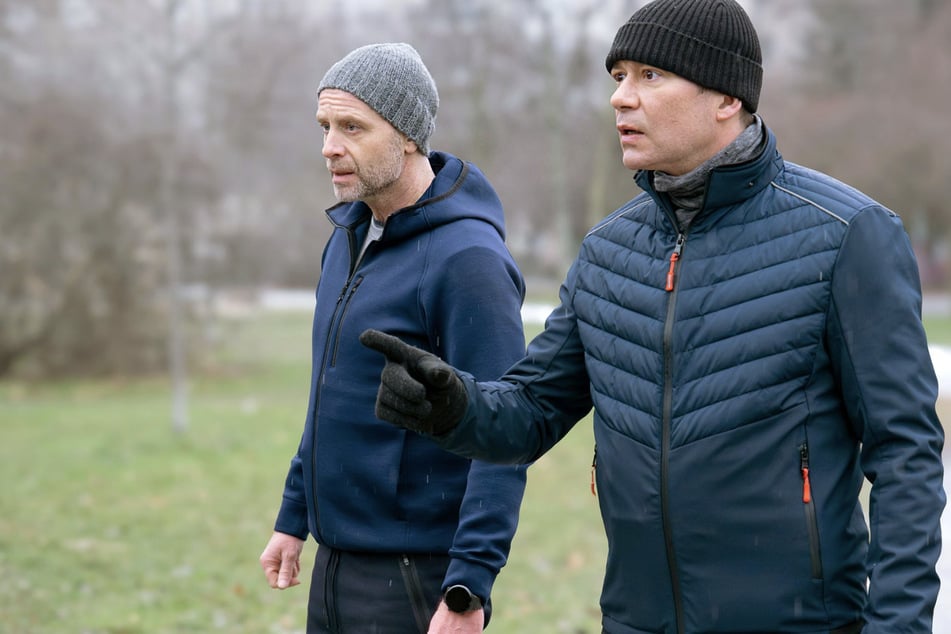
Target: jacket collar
<point>459,190</point>
<point>728,184</point>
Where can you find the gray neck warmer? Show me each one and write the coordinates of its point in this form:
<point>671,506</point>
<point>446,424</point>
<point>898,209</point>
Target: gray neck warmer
<point>688,191</point>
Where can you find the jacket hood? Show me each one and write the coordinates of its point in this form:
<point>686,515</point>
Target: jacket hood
<point>471,195</point>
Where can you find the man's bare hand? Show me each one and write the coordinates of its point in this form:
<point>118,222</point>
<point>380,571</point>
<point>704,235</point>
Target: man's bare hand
<point>281,560</point>
<point>446,621</point>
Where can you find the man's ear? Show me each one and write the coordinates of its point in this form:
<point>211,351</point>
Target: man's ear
<point>409,146</point>
<point>728,107</point>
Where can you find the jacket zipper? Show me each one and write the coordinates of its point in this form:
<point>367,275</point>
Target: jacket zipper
<point>345,297</point>
<point>671,288</point>
<point>594,468</point>
<point>674,259</point>
<point>812,524</point>
<point>333,343</point>
<point>343,300</point>
<point>330,589</point>
<point>329,345</point>
<point>414,588</point>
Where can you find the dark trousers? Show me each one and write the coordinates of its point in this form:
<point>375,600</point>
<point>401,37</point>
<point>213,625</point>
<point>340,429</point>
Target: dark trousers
<point>361,593</point>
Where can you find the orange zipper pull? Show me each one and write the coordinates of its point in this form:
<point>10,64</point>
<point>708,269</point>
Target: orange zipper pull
<point>804,467</point>
<point>670,272</point>
<point>806,487</point>
<point>674,257</point>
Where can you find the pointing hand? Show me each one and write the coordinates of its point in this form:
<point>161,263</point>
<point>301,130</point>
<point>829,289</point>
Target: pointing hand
<point>418,390</point>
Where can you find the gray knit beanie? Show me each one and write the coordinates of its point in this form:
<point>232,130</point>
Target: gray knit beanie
<point>710,42</point>
<point>391,79</point>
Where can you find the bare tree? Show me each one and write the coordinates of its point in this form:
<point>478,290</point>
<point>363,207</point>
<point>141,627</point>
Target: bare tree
<point>74,298</point>
<point>120,177</point>
<point>524,94</point>
<point>187,160</point>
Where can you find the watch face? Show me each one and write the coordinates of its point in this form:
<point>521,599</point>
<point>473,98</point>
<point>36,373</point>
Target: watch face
<point>458,599</point>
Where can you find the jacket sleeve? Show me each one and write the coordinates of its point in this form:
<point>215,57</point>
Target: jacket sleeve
<point>889,391</point>
<point>522,415</point>
<point>476,320</point>
<point>292,516</point>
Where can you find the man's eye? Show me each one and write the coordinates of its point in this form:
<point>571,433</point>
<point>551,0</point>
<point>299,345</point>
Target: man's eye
<point>619,77</point>
<point>649,74</point>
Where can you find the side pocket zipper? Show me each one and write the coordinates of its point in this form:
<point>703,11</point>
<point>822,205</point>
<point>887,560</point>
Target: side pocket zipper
<point>812,524</point>
<point>594,468</point>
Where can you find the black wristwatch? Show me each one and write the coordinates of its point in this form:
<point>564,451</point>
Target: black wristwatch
<point>460,599</point>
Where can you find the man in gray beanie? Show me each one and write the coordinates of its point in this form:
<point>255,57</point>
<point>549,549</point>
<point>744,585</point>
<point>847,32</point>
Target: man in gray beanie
<point>410,537</point>
<point>748,333</point>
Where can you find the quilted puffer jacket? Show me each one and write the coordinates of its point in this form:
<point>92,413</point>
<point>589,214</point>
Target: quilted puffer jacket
<point>746,377</point>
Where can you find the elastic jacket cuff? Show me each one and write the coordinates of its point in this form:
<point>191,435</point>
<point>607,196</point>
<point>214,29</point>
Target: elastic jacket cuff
<point>477,578</point>
<point>292,519</point>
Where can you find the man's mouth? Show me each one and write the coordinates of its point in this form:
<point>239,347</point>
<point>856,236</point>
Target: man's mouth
<point>628,131</point>
<point>339,174</point>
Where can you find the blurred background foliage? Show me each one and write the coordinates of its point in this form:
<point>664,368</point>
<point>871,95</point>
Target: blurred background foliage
<point>159,161</point>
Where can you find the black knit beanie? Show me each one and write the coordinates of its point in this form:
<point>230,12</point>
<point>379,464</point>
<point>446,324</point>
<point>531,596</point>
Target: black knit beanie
<point>710,42</point>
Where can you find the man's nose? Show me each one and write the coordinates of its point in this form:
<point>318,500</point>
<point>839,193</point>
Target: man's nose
<point>625,96</point>
<point>331,145</point>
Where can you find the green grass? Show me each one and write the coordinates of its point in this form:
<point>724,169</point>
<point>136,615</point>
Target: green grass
<point>939,330</point>
<point>112,524</point>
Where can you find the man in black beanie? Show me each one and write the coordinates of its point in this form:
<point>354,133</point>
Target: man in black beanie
<point>748,333</point>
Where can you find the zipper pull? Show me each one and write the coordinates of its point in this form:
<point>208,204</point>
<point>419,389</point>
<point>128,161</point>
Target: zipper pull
<point>804,467</point>
<point>674,257</point>
<point>594,466</point>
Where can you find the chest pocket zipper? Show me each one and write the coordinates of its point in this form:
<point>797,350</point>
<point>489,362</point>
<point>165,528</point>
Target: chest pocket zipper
<point>347,298</point>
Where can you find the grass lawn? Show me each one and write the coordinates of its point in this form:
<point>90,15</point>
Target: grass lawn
<point>939,330</point>
<point>112,524</point>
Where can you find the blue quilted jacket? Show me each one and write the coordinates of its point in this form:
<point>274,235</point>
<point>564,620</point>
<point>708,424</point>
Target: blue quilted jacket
<point>746,377</point>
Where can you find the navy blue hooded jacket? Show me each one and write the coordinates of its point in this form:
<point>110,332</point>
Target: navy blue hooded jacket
<point>746,376</point>
<point>441,278</point>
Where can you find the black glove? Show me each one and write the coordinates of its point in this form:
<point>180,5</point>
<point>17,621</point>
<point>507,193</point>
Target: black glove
<point>418,390</point>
